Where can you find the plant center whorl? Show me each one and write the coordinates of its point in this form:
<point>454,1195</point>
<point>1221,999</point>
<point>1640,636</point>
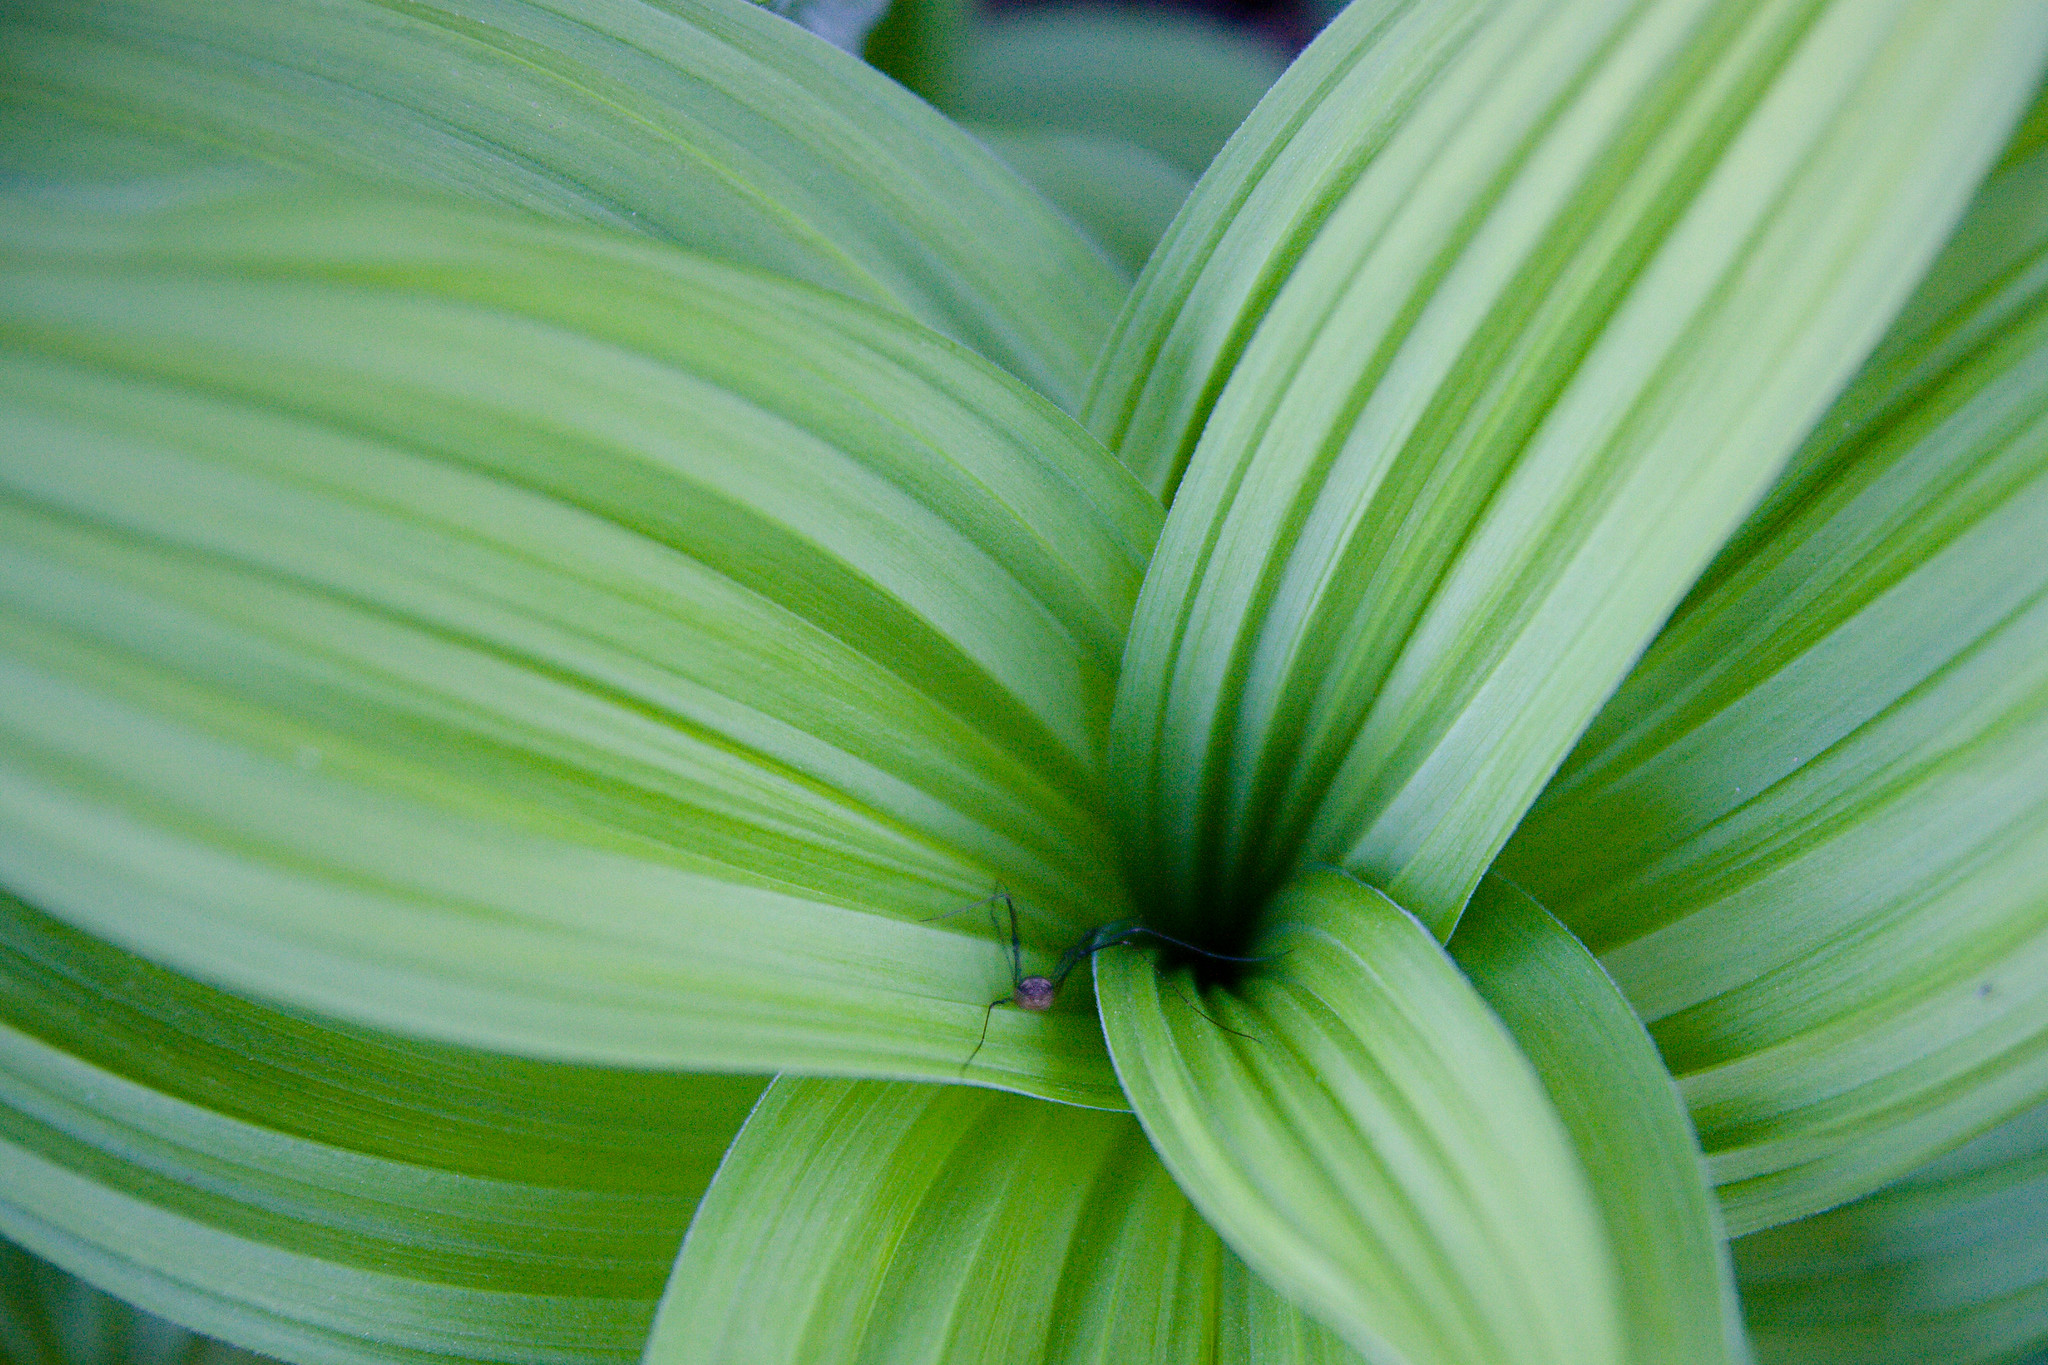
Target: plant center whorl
<point>1033,993</point>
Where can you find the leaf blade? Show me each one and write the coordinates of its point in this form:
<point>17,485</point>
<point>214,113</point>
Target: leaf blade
<point>1626,1117</point>
<point>317,1191</point>
<point>1175,84</point>
<point>1839,736</point>
<point>858,1220</point>
<point>1374,1144</point>
<point>1945,1264</point>
<point>379,608</point>
<point>1503,408</point>
<point>709,123</point>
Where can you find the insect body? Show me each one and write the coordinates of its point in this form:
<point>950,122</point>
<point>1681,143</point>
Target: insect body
<point>1033,993</point>
<point>1037,993</point>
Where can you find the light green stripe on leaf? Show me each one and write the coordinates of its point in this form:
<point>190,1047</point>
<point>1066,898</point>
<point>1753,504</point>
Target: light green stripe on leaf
<point>1949,1264</point>
<point>1808,836</point>
<point>709,123</point>
<point>1625,1115</point>
<point>459,618</point>
<point>866,1221</point>
<point>1254,212</point>
<point>1362,1130</point>
<point>322,1192</point>
<point>1588,289</point>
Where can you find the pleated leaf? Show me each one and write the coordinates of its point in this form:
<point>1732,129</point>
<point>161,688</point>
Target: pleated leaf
<point>1625,1117</point>
<point>1362,1130</point>
<point>872,1221</point>
<point>1950,1264</point>
<point>1255,211</point>
<point>316,1191</point>
<point>536,638</point>
<point>1809,836</point>
<point>1597,269</point>
<point>710,123</point>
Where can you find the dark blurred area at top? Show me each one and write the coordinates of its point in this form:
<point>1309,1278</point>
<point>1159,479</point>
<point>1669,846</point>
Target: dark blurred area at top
<point>1111,111</point>
<point>1287,24</point>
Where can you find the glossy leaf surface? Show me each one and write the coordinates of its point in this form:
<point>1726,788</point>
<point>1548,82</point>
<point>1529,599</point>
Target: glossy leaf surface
<point>1625,1117</point>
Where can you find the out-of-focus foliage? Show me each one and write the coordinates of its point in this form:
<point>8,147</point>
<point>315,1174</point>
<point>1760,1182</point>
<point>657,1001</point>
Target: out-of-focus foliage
<point>1111,111</point>
<point>50,1318</point>
<point>1949,1264</point>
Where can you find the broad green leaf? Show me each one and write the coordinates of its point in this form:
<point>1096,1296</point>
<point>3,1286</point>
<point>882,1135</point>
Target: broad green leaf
<point>50,1318</point>
<point>320,1192</point>
<point>1626,1117</point>
<point>537,638</point>
<point>1122,193</point>
<point>1110,114</point>
<point>1809,836</point>
<point>1175,84</point>
<point>1252,215</point>
<point>1987,281</point>
<point>870,1221</point>
<point>1950,1264</point>
<point>1361,1129</point>
<point>1582,298</point>
<point>709,123</point>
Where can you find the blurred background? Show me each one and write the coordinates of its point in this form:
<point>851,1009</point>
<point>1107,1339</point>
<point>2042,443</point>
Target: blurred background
<point>1111,111</point>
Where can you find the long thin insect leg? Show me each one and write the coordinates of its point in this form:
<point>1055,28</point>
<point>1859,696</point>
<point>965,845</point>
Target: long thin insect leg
<point>984,1035</point>
<point>1196,1006</point>
<point>1016,950</point>
<point>1080,952</point>
<point>997,901</point>
<point>1125,936</point>
<point>1110,936</point>
<point>1121,938</point>
<point>963,909</point>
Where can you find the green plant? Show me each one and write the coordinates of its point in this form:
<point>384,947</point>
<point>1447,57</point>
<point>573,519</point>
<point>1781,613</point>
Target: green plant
<point>544,546</point>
